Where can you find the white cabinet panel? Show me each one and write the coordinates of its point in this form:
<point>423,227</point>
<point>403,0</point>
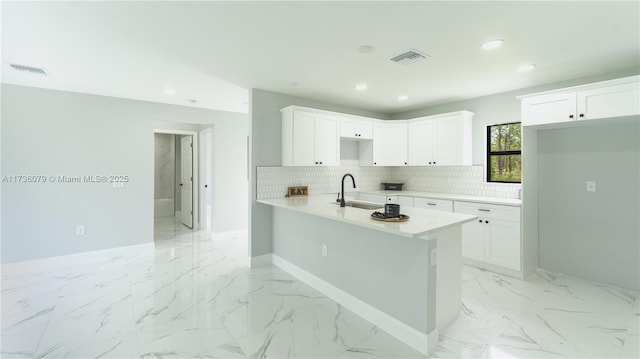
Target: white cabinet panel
<point>420,142</point>
<point>357,128</point>
<point>394,143</point>
<point>552,108</point>
<point>610,101</point>
<point>327,141</point>
<point>503,243</point>
<point>494,238</point>
<point>614,98</point>
<point>304,149</point>
<point>473,240</point>
<point>309,138</point>
<point>433,203</point>
<point>440,140</point>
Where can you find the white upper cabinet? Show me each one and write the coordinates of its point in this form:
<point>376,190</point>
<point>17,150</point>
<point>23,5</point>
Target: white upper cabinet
<point>394,143</point>
<point>441,140</point>
<point>615,98</point>
<point>309,138</point>
<point>356,127</point>
<point>610,101</point>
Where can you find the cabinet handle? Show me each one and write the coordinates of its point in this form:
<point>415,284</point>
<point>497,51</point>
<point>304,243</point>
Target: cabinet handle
<point>429,162</point>
<point>486,222</point>
<point>431,204</point>
<point>316,162</point>
<point>484,210</point>
<point>570,116</point>
<point>375,163</point>
<point>582,115</point>
<point>480,220</point>
<point>320,162</point>
<point>434,162</point>
<point>405,163</point>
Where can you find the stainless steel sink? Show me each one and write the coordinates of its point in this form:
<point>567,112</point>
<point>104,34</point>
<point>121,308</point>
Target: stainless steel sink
<point>361,204</point>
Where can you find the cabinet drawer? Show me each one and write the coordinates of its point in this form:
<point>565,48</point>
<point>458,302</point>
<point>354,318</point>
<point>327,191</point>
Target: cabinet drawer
<point>488,210</point>
<point>433,203</point>
<point>405,201</point>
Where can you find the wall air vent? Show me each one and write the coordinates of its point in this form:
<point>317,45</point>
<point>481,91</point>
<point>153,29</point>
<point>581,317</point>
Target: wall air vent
<point>29,69</point>
<point>410,57</point>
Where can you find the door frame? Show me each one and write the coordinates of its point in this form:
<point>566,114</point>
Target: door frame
<point>203,176</point>
<point>196,193</point>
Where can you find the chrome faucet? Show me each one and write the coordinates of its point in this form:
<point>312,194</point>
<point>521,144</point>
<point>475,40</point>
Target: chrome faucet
<point>342,203</point>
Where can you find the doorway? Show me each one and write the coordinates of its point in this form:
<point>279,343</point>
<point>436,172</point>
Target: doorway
<point>175,179</point>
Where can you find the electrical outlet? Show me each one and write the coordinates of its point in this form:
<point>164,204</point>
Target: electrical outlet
<point>591,186</point>
<point>324,250</point>
<point>434,256</point>
<point>80,231</point>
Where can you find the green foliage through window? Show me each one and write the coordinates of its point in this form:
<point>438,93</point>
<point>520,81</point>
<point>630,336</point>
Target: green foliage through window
<point>504,153</point>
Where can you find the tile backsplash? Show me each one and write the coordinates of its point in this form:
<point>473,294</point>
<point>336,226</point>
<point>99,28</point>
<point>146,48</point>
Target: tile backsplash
<point>272,182</point>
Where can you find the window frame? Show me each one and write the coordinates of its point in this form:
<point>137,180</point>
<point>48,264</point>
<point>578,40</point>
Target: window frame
<point>490,153</point>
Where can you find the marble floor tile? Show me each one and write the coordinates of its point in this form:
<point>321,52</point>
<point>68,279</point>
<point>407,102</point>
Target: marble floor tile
<point>193,295</point>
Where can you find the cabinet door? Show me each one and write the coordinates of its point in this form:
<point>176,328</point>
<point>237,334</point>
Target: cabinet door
<point>394,144</point>
<point>448,145</point>
<point>503,243</point>
<point>376,144</point>
<point>327,140</point>
<point>610,101</point>
<point>560,107</point>
<point>347,127</point>
<point>364,129</point>
<point>473,234</point>
<point>420,142</point>
<point>304,138</point>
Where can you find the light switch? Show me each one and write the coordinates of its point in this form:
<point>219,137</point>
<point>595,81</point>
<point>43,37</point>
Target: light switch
<point>591,186</point>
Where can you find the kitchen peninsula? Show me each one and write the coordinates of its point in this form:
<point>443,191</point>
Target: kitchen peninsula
<point>404,277</point>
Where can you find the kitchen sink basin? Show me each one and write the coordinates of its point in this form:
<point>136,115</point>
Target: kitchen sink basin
<point>361,204</point>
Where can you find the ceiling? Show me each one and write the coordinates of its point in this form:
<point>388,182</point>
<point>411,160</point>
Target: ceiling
<point>214,52</point>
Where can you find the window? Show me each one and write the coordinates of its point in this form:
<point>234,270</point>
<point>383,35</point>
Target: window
<point>504,153</point>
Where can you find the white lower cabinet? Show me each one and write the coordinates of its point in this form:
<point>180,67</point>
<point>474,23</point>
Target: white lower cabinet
<point>494,238</point>
<point>375,198</point>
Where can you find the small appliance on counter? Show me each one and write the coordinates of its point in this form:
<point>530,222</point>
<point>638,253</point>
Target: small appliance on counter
<point>391,214</point>
<point>392,186</point>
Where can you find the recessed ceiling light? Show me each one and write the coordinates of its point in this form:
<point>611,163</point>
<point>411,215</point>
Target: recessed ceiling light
<point>492,45</point>
<point>29,69</point>
<point>364,49</point>
<point>361,87</point>
<point>169,91</point>
<point>403,98</point>
<point>526,67</point>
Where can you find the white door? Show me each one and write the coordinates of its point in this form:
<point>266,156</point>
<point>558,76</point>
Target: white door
<point>208,179</point>
<point>186,180</point>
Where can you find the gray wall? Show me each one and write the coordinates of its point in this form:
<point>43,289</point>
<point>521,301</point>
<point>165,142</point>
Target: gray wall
<point>359,262</point>
<point>501,108</point>
<point>592,235</point>
<point>266,150</point>
<point>46,132</point>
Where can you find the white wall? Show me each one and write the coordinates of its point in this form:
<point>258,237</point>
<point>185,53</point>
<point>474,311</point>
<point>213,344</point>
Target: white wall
<point>51,133</point>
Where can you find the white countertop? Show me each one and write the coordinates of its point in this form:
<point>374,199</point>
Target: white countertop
<point>454,197</point>
<point>421,222</point>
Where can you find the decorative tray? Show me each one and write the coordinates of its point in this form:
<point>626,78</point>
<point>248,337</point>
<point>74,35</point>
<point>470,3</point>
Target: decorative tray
<point>378,216</point>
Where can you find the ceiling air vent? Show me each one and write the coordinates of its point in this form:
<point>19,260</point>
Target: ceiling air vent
<point>29,69</point>
<point>410,57</point>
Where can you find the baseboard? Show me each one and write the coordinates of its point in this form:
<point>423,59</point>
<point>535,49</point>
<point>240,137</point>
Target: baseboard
<point>262,260</point>
<point>87,255</point>
<point>424,343</point>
